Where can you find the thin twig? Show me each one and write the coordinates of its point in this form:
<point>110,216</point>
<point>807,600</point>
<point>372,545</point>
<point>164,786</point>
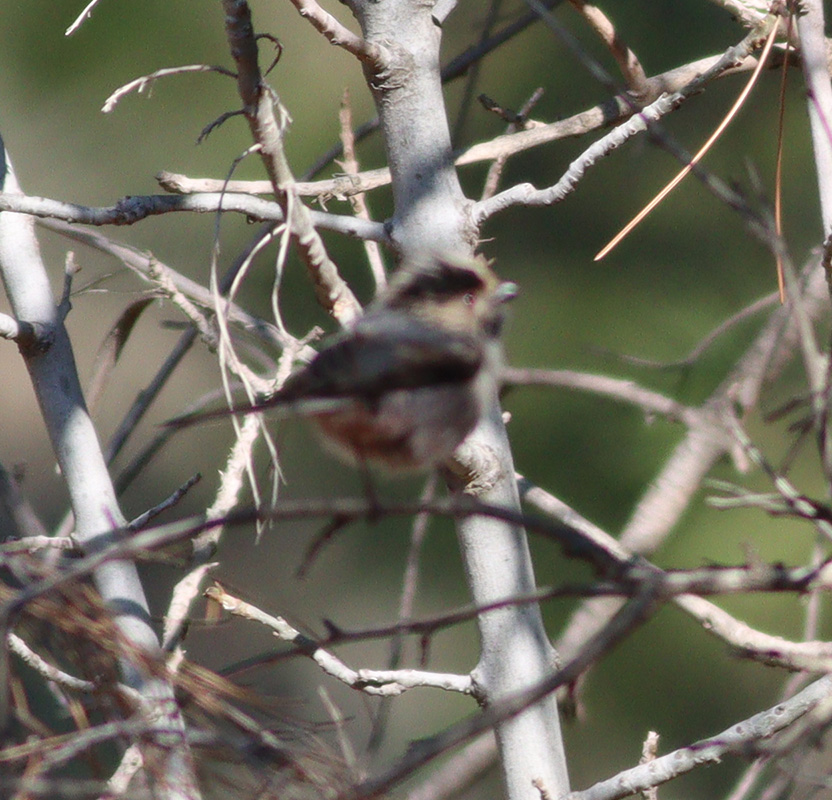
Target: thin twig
<point>700,154</point>
<point>340,187</point>
<point>736,740</point>
<point>131,210</point>
<point>267,131</point>
<point>645,120</point>
<point>812,656</point>
<point>359,201</point>
<point>520,122</point>
<point>162,278</point>
<point>169,502</point>
<point>634,614</point>
<point>703,344</point>
<point>385,683</point>
<point>626,59</point>
<point>84,15</point>
<point>624,391</point>
<point>373,56</point>
<point>146,81</point>
<point>472,74</point>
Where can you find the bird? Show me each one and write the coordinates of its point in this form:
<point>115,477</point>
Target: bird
<point>404,386</point>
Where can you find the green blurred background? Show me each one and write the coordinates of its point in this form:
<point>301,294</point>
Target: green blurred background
<point>688,267</point>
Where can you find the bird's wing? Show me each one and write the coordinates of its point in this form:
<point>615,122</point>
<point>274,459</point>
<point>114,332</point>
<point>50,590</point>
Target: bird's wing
<point>382,355</point>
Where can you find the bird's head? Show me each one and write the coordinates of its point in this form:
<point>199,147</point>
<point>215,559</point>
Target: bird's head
<point>458,294</point>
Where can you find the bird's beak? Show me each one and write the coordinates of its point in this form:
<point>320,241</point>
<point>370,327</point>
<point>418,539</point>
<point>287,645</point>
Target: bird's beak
<point>506,291</point>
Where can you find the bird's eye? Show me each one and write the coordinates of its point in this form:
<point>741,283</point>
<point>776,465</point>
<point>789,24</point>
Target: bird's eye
<point>468,299</point>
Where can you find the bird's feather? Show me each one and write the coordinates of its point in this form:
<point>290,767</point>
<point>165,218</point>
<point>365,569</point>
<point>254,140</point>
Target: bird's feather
<point>383,354</point>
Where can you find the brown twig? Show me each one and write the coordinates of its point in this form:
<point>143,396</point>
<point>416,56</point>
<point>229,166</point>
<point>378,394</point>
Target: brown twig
<point>358,201</point>
<point>626,59</point>
<point>267,131</point>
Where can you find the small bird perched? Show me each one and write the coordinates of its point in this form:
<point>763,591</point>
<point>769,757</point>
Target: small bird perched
<point>409,381</point>
<point>411,378</point>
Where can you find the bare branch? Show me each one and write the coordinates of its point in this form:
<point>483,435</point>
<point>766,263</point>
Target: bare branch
<point>456,68</point>
<point>45,669</point>
<point>23,523</point>
<point>749,12</point>
<point>736,740</point>
<point>691,163</point>
<point>372,55</point>
<point>169,502</point>
<point>31,544</point>
<point>599,116</point>
<point>814,59</point>
<point>358,201</point>
<point>632,615</point>
<point>626,59</point>
<point>750,643</point>
<point>793,500</point>
<point>663,503</point>
<point>527,194</point>
<point>458,771</point>
<point>162,278</point>
<point>22,332</point>
<point>139,262</point>
<point>133,209</point>
<point>111,348</point>
<point>146,81</point>
<point>385,683</point>
<point>56,750</point>
<point>340,187</point>
<point>93,498</point>
<point>624,391</point>
<point>500,147</point>
<point>706,342</point>
<point>80,19</point>
<point>258,104</point>
<point>649,750</point>
<point>520,122</point>
<point>182,598</point>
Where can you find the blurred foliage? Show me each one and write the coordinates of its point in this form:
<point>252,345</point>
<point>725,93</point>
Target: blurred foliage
<point>682,272</point>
